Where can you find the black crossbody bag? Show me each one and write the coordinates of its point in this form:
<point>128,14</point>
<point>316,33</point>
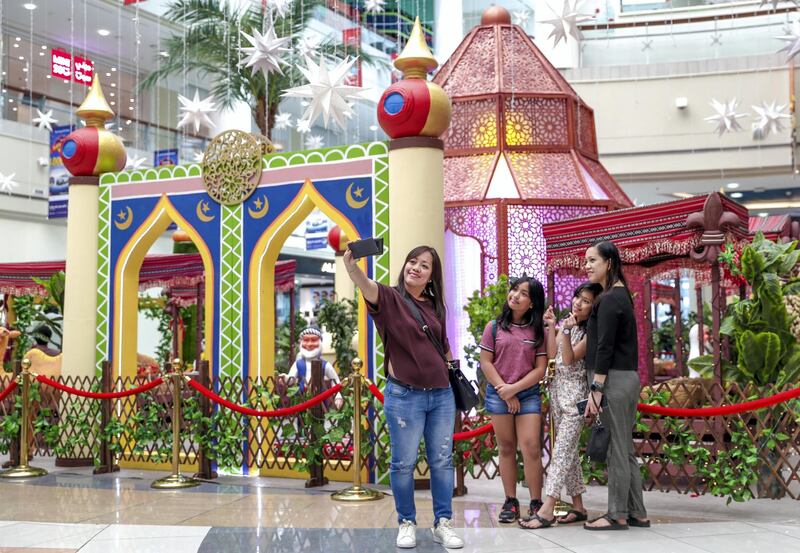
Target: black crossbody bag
<point>465,396</point>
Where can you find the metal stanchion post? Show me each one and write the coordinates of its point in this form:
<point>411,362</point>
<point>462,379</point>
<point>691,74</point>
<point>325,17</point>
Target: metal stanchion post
<point>356,492</point>
<point>561,508</point>
<point>24,470</point>
<point>176,480</point>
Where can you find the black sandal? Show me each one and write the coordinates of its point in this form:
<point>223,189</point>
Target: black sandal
<point>612,524</point>
<point>638,523</point>
<point>543,522</point>
<point>580,516</point>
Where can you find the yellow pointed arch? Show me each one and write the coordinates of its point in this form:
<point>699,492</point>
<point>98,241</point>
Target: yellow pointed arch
<point>262,277</point>
<point>126,285</point>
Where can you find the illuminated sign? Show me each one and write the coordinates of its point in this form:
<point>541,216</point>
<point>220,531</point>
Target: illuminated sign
<point>64,66</point>
<point>61,64</point>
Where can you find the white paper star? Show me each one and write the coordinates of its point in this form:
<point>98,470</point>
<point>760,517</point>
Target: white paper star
<point>775,3</point>
<point>283,120</point>
<point>647,44</point>
<point>770,116</point>
<point>307,46</point>
<point>327,95</point>
<point>567,22</point>
<point>7,183</point>
<point>725,117</point>
<point>716,39</point>
<point>374,6</point>
<point>792,39</point>
<point>266,53</point>
<point>135,163</point>
<point>314,142</point>
<point>195,112</point>
<point>303,126</point>
<point>282,7</point>
<point>43,161</point>
<point>521,17</point>
<point>198,156</point>
<point>45,120</point>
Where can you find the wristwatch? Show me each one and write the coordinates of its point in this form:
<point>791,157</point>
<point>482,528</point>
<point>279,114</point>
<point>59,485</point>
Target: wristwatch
<point>566,331</point>
<point>596,386</point>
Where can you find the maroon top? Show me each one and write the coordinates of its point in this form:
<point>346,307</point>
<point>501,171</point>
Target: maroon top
<point>414,358</point>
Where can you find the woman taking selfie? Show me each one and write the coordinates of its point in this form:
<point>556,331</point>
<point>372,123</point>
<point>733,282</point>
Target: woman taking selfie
<point>611,358</point>
<point>569,386</point>
<point>514,360</point>
<point>418,398</point>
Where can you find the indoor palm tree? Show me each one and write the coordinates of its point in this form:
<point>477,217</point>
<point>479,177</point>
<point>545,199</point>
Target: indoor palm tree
<point>210,48</point>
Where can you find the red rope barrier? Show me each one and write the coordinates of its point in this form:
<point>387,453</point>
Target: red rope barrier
<point>466,435</point>
<point>99,395</point>
<point>723,410</point>
<point>10,388</point>
<point>257,413</point>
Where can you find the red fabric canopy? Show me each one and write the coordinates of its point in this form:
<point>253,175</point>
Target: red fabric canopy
<point>179,272</point>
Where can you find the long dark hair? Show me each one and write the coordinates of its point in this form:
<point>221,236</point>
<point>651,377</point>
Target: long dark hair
<point>434,289</point>
<point>593,288</point>
<point>609,252</point>
<point>533,316</point>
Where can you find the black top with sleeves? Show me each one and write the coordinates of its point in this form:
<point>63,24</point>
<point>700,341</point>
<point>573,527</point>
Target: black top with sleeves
<point>611,333</point>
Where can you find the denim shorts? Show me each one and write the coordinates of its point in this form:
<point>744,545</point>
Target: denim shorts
<point>530,402</point>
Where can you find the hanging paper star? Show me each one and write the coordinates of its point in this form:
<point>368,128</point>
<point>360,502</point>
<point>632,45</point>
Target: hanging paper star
<point>7,183</point>
<point>266,53</point>
<point>521,17</point>
<point>374,6</point>
<point>195,112</point>
<point>792,39</point>
<point>327,94</point>
<point>770,116</point>
<point>282,7</point>
<point>307,46</point>
<point>135,163</point>
<point>314,142</point>
<point>716,39</point>
<point>303,126</point>
<point>725,117</point>
<point>775,3</point>
<point>283,120</point>
<point>45,120</point>
<point>647,44</point>
<point>567,22</point>
<point>198,156</point>
<point>43,161</point>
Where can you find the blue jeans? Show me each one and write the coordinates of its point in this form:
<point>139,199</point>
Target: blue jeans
<point>410,415</point>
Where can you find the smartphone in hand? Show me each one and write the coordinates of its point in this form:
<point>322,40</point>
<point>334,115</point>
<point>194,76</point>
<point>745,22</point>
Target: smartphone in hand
<point>366,248</point>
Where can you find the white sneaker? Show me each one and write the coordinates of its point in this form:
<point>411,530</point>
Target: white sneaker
<point>407,535</point>
<point>444,534</point>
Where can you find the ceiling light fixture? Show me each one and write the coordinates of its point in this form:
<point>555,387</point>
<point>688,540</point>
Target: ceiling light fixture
<point>103,32</point>
<point>736,194</point>
<point>682,194</point>
<point>732,185</point>
<point>29,6</point>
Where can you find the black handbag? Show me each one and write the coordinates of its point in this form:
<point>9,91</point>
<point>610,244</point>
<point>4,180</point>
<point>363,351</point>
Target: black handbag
<point>465,396</point>
<point>599,439</point>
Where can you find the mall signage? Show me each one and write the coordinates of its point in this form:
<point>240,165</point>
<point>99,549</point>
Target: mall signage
<point>64,66</point>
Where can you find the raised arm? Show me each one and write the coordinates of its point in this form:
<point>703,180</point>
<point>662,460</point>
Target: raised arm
<point>368,287</point>
<point>550,332</point>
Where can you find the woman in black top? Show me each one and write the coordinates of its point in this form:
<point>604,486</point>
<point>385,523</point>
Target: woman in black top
<point>611,362</point>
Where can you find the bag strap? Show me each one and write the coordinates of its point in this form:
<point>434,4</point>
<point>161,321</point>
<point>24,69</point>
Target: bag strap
<point>415,312</point>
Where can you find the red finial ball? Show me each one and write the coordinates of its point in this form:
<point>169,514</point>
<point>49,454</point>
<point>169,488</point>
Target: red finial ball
<point>495,15</point>
<point>337,240</point>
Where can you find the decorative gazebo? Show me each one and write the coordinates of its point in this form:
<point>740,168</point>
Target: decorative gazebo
<point>521,152</point>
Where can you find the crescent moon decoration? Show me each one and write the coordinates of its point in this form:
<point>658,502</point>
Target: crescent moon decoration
<point>351,201</point>
<point>124,219</point>
<point>202,210</point>
<point>261,207</point>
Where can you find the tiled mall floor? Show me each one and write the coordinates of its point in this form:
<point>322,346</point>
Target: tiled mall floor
<point>70,510</point>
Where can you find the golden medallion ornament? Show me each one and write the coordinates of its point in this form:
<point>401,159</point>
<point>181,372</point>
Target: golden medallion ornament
<point>232,165</point>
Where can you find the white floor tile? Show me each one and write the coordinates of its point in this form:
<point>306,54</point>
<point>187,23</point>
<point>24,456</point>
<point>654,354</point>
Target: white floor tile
<point>792,530</point>
<point>757,542</point>
<point>145,545</point>
<point>686,530</point>
<point>569,536</point>
<point>136,531</point>
<point>49,535</point>
<point>494,540</point>
<point>649,545</point>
